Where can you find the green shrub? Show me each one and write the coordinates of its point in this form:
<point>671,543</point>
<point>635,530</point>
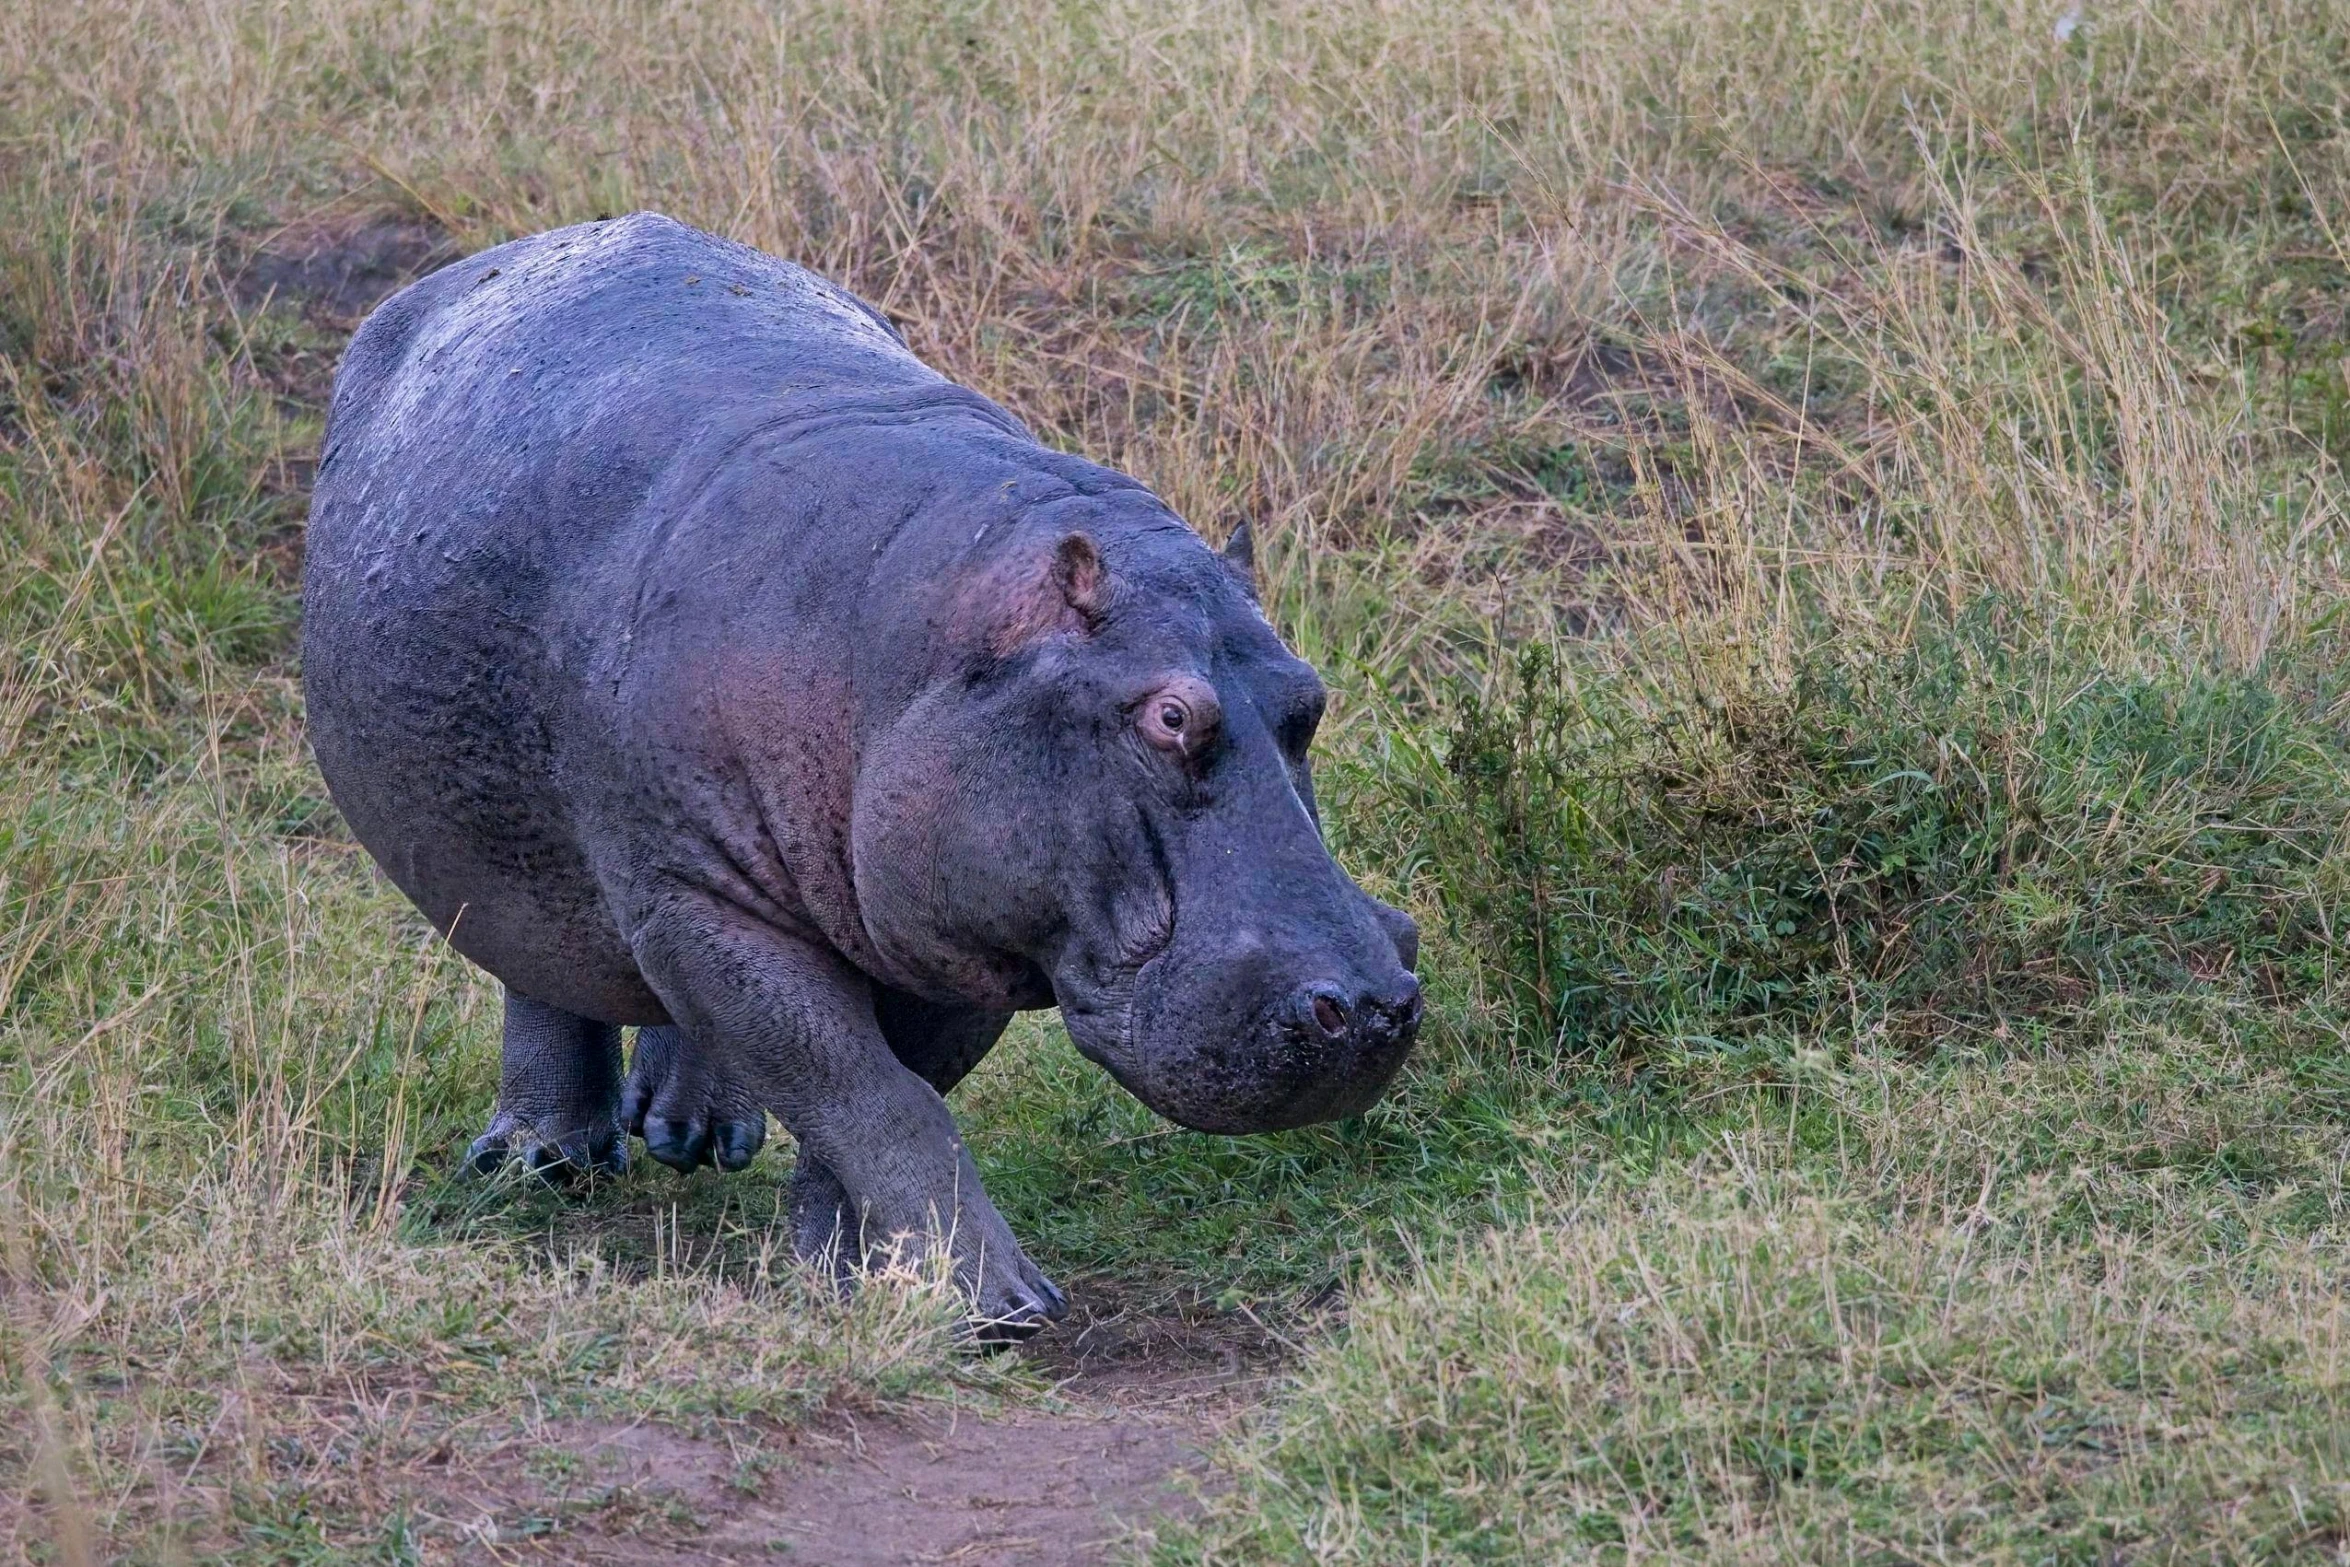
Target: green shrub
<point>1974,827</point>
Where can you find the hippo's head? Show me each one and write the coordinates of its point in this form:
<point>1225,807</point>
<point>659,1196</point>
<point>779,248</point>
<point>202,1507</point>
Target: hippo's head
<point>1104,800</point>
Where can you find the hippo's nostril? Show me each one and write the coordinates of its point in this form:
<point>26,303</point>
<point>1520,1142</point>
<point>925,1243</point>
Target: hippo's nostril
<point>1317,1012</point>
<point>1329,1014</point>
<point>1370,1018</point>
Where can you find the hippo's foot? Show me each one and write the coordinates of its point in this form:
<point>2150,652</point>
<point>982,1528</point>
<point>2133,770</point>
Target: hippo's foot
<point>1011,1297</point>
<point>687,1108</point>
<point>595,1149</point>
<point>558,1082</point>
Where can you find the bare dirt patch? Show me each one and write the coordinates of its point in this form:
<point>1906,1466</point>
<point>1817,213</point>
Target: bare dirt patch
<point>1118,1448</point>
<point>335,271</point>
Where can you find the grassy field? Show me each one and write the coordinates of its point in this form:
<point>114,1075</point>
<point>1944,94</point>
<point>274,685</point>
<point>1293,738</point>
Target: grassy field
<point>1825,522</point>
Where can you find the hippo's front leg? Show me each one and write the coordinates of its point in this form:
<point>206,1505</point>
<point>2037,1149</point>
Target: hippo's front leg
<point>794,1020</point>
<point>939,1044</point>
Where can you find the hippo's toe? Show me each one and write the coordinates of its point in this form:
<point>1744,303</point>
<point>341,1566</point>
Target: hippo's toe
<point>595,1150</point>
<point>561,1160</point>
<point>488,1154</point>
<point>1018,1307</point>
<point>687,1108</point>
<point>737,1143</point>
<point>1024,1310</point>
<point>682,1145</point>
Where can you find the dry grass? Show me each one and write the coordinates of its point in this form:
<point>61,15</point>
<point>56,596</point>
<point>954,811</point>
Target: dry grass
<point>1691,336</point>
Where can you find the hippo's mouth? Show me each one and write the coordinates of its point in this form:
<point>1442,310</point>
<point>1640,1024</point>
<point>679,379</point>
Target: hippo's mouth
<point>1133,988</point>
<point>1101,1022</point>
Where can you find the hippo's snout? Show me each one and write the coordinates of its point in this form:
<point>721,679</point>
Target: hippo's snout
<point>1256,1030</point>
<point>1360,1038</point>
<point>1401,929</point>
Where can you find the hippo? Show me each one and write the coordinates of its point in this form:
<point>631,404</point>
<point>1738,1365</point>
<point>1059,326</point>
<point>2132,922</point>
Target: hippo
<point>697,659</point>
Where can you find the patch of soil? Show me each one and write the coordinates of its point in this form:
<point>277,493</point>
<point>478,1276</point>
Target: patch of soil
<point>1033,1488</point>
<point>335,272</point>
<point>1119,1448</point>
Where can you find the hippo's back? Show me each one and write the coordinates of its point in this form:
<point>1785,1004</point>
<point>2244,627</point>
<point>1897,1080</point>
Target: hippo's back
<point>523,399</point>
<point>506,440</point>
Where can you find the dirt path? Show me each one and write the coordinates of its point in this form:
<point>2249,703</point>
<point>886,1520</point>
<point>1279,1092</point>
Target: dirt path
<point>1118,1448</point>
<point>1037,1489</point>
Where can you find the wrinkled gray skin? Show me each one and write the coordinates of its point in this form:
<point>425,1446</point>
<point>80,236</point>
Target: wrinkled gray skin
<point>698,659</point>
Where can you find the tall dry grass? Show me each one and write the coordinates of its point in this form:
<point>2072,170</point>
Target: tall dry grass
<point>1272,258</point>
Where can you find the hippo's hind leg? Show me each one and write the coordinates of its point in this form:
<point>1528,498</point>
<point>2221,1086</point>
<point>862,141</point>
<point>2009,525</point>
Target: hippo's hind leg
<point>558,1091</point>
<point>939,1044</point>
<point>688,1107</point>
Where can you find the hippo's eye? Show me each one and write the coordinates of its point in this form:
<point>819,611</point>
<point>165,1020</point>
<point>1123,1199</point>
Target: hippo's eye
<point>1168,717</point>
<point>1179,717</point>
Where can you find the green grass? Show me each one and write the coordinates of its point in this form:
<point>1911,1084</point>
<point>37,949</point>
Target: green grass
<point>1825,526</point>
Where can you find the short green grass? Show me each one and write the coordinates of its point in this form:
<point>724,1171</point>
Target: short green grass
<point>1825,525</point>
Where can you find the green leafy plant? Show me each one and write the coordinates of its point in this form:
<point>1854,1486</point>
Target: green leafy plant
<point>1962,830</point>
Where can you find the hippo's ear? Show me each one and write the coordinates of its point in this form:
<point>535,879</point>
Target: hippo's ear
<point>1068,591</point>
<point>1240,553</point>
<point>1084,584</point>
